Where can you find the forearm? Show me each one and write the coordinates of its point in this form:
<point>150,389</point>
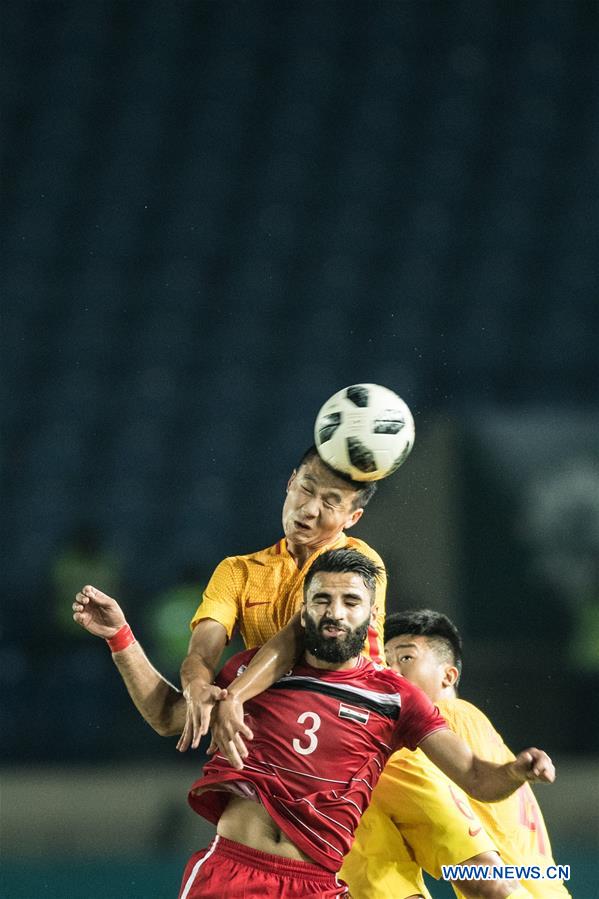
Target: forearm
<point>157,700</point>
<point>489,782</point>
<point>484,780</point>
<point>195,666</point>
<point>205,649</point>
<point>271,662</point>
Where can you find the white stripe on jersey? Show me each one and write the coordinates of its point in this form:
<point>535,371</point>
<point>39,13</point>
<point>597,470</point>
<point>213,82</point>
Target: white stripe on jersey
<point>265,770</point>
<point>197,867</point>
<point>362,781</point>
<point>303,823</point>
<point>328,817</point>
<point>337,881</point>
<point>347,799</point>
<point>328,780</point>
<point>372,695</point>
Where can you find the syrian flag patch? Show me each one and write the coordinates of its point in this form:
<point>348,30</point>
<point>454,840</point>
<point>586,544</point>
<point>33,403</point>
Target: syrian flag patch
<point>354,714</point>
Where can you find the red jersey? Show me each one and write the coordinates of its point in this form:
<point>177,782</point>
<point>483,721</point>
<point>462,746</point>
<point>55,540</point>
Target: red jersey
<point>321,740</point>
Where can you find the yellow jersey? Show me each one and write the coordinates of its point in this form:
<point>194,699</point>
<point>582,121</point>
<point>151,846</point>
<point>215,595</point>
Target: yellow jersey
<point>516,823</point>
<point>419,819</point>
<point>262,591</point>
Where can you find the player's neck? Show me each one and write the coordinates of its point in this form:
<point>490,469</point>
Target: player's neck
<point>445,694</point>
<point>314,662</point>
<point>301,552</point>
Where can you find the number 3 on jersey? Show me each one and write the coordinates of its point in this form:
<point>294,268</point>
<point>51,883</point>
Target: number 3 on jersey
<point>310,732</point>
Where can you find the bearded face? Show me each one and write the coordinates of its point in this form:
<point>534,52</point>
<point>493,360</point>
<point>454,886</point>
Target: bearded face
<point>331,641</point>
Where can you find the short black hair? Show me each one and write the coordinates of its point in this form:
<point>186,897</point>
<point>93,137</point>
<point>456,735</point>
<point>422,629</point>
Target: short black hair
<point>435,626</point>
<point>342,561</point>
<point>365,489</point>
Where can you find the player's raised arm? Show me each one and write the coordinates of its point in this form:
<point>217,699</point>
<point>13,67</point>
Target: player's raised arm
<point>277,656</point>
<point>157,700</point>
<point>483,780</point>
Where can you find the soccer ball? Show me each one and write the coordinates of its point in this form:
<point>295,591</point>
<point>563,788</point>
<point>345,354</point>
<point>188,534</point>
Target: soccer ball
<point>365,431</point>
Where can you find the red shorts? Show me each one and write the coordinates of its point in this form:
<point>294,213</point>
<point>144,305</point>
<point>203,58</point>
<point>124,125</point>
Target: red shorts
<point>230,869</point>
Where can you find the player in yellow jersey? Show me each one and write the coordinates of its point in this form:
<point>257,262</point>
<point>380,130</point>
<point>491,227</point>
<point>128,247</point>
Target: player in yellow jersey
<point>410,823</point>
<point>260,593</point>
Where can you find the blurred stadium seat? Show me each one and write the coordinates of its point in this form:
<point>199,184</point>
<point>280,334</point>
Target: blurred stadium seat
<point>221,213</point>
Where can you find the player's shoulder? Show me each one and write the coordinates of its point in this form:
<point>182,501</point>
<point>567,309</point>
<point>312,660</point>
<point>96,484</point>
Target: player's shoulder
<point>264,556</point>
<point>460,710</point>
<point>237,664</point>
<point>467,720</point>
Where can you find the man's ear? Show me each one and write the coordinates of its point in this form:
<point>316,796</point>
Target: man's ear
<point>303,615</point>
<point>450,676</point>
<point>353,519</point>
<point>374,612</point>
<point>292,478</point>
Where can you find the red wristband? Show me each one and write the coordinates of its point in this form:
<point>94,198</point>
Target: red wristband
<point>122,639</point>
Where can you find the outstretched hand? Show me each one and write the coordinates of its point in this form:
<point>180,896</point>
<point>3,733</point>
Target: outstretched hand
<point>533,765</point>
<point>98,613</point>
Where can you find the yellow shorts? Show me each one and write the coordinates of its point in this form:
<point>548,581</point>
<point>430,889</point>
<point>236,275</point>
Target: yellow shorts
<point>380,865</point>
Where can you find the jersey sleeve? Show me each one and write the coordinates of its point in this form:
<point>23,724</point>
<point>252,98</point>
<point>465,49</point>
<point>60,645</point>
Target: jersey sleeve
<point>221,599</point>
<point>418,718</point>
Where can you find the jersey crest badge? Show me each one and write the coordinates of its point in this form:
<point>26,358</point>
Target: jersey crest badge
<point>354,714</point>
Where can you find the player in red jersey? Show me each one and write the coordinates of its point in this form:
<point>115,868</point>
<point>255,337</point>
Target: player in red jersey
<point>321,736</point>
<point>338,716</point>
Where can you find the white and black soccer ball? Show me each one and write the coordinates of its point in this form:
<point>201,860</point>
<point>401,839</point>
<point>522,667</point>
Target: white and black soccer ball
<point>365,431</point>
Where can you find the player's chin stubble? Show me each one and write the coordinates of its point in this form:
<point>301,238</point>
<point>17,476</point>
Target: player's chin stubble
<point>334,649</point>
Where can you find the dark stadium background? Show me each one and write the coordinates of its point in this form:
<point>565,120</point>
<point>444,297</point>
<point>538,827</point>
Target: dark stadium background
<point>219,213</point>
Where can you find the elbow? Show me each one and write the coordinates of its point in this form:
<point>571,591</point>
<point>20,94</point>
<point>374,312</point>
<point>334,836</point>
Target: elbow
<point>167,719</point>
<point>166,724</point>
<point>164,728</point>
<point>485,792</point>
<point>171,721</point>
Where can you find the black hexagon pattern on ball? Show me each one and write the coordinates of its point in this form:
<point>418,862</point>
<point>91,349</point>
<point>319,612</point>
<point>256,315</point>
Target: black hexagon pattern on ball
<point>360,456</point>
<point>328,426</point>
<point>359,395</point>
